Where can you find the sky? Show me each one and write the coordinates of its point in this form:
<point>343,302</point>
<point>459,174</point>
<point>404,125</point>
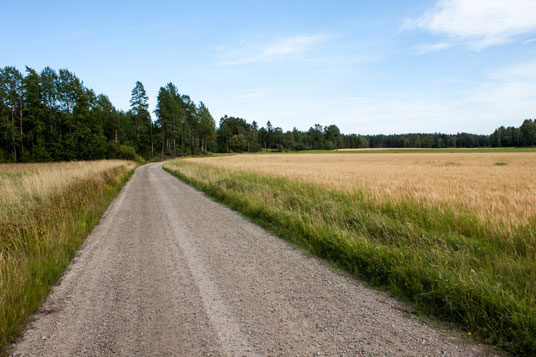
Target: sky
<point>369,67</point>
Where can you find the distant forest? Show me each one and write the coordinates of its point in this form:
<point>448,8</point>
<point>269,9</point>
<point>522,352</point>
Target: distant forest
<point>52,116</point>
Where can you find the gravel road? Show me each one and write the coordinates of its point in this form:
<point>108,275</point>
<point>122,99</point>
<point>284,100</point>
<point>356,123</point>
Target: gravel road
<point>170,272</point>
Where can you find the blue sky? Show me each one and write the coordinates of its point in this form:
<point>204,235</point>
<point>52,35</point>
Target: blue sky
<point>367,66</point>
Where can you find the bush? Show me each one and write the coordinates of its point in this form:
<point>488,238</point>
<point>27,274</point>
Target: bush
<point>123,152</point>
<point>126,152</point>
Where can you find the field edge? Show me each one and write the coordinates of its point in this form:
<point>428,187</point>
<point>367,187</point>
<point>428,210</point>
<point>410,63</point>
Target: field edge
<point>281,226</point>
<point>83,205</point>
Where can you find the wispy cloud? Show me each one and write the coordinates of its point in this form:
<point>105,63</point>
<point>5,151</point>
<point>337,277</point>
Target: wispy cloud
<point>423,48</point>
<point>479,23</point>
<point>281,48</point>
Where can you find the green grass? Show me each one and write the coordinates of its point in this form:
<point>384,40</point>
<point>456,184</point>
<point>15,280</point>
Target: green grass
<point>37,246</point>
<point>448,263</point>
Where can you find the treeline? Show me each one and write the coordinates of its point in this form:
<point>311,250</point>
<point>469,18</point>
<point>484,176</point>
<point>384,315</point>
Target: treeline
<point>52,116</point>
<point>236,135</point>
<point>525,135</point>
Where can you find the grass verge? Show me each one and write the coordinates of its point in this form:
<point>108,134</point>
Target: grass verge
<point>37,245</point>
<point>448,263</point>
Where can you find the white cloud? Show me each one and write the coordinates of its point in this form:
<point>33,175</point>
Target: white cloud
<point>282,48</point>
<point>481,23</point>
<point>431,47</point>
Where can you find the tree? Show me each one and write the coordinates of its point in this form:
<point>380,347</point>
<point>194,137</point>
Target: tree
<point>269,139</point>
<point>333,137</point>
<point>51,118</point>
<point>238,142</point>
<point>316,137</point>
<point>139,107</point>
<point>230,126</point>
<point>207,128</point>
<point>170,118</point>
<point>85,140</point>
<point>11,89</point>
<point>35,116</point>
<point>528,132</point>
<point>70,92</point>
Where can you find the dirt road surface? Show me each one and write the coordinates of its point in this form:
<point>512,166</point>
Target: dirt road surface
<point>169,272</point>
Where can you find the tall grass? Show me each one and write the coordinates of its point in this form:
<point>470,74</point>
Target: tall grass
<point>471,182</point>
<point>449,263</point>
<point>46,211</point>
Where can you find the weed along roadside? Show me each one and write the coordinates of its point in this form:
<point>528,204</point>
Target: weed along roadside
<point>449,263</point>
<point>47,210</point>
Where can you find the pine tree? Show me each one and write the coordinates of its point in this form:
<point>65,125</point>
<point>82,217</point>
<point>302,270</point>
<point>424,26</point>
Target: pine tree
<point>11,87</point>
<point>207,127</point>
<point>139,108</point>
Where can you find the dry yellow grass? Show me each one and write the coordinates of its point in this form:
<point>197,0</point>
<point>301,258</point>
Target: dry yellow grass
<point>46,211</point>
<point>21,185</point>
<point>397,149</point>
<point>497,185</point>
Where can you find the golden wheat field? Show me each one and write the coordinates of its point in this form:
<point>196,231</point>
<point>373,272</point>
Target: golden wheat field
<point>21,185</point>
<point>501,186</point>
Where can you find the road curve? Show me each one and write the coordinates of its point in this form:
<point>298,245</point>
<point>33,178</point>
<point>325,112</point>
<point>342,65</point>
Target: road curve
<point>170,272</point>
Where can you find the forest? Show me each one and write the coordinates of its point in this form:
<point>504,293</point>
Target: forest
<point>51,116</point>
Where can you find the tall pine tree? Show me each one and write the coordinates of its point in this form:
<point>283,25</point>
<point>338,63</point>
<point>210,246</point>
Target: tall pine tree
<point>143,125</point>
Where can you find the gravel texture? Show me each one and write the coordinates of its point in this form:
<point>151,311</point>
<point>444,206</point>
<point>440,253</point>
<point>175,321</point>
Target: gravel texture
<point>170,272</point>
